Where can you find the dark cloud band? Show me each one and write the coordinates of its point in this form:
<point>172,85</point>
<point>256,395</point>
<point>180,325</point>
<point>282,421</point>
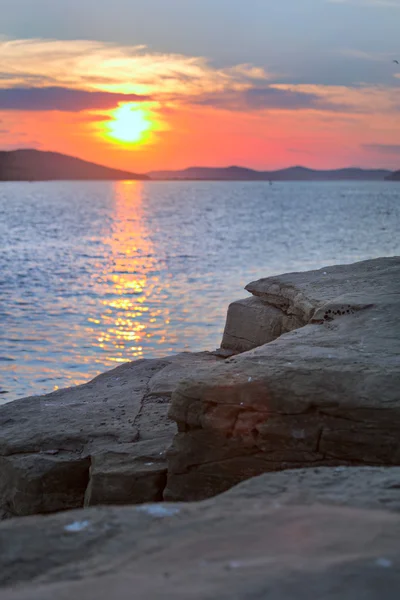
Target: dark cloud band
<point>268,97</point>
<point>62,99</point>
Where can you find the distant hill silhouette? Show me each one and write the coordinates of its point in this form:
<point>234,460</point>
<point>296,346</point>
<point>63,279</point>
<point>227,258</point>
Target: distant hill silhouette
<point>290,174</point>
<point>394,176</point>
<point>35,165</point>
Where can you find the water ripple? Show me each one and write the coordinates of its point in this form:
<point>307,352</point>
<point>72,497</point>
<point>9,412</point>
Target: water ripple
<point>94,274</point>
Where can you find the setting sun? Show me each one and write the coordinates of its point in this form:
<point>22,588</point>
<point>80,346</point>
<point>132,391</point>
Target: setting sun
<point>129,124</point>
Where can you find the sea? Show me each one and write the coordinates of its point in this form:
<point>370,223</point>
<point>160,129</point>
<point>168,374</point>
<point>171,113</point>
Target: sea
<point>94,274</point>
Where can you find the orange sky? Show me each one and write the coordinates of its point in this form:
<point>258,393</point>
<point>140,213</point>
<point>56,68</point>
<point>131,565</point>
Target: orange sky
<point>198,114</point>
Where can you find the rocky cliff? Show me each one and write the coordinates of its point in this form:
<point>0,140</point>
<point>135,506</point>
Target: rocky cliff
<point>322,387</point>
<point>314,380</point>
<point>305,390</point>
<point>104,442</point>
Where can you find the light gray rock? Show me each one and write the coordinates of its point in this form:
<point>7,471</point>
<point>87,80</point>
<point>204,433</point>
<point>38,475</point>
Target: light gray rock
<point>104,441</point>
<point>327,393</point>
<point>286,302</point>
<point>325,533</point>
<point>349,287</point>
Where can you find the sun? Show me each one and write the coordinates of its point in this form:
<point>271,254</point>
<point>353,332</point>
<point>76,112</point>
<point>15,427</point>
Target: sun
<point>129,124</point>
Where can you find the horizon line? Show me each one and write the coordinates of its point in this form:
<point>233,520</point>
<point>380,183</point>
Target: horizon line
<point>232,166</point>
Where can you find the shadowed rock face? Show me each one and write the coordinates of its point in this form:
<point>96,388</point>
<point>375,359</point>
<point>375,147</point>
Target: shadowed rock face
<point>104,442</point>
<point>326,393</point>
<point>314,533</point>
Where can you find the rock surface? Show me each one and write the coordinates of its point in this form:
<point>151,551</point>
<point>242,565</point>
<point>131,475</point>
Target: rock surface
<point>326,393</point>
<point>316,533</point>
<point>99,443</point>
<point>286,302</point>
<point>252,322</point>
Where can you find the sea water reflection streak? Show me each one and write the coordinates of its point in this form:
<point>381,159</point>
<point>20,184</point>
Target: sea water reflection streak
<point>130,316</point>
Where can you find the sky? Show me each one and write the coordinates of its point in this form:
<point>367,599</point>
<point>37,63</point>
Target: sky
<point>166,84</point>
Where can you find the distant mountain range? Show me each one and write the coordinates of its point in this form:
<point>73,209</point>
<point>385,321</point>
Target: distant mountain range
<point>394,176</point>
<point>290,174</point>
<point>35,165</point>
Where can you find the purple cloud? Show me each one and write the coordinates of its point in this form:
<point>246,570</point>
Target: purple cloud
<point>268,97</point>
<point>62,99</point>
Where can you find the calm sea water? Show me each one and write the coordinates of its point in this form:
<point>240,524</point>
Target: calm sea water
<point>94,274</point>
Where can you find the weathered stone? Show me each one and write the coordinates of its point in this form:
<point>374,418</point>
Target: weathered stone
<point>323,533</point>
<point>361,487</point>
<point>96,439</point>
<point>342,287</point>
<point>128,474</point>
<point>251,323</point>
<point>324,394</point>
<point>286,302</point>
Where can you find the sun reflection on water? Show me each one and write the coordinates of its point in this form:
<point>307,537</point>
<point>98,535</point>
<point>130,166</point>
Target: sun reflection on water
<point>130,317</point>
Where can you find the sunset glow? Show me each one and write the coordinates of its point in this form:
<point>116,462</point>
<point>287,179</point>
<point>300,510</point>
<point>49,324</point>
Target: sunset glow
<point>129,124</point>
<point>133,283</point>
<point>268,102</point>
